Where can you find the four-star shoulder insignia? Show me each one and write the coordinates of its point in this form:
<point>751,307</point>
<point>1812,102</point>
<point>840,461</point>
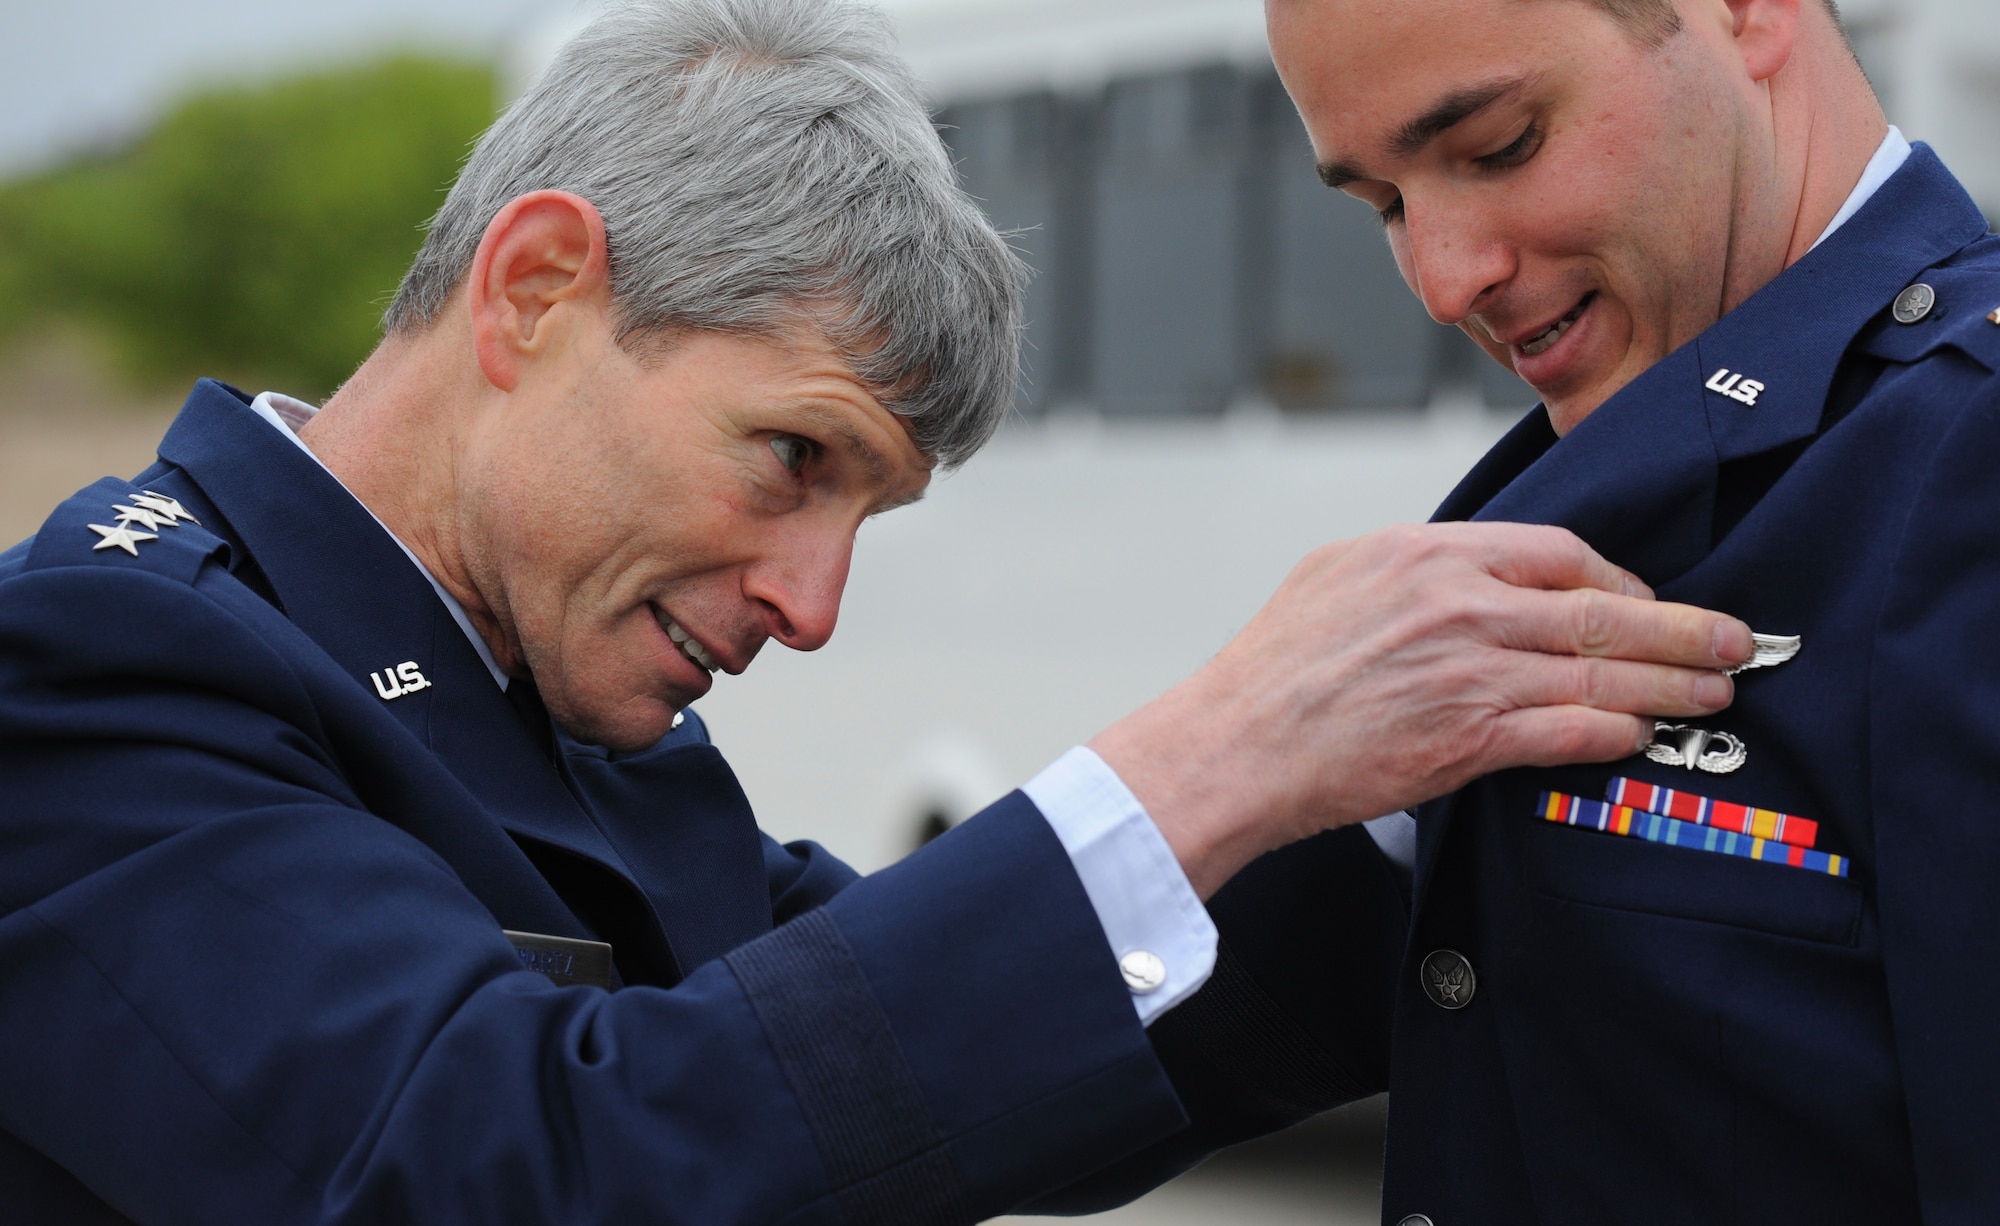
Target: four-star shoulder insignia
<point>122,537</point>
<point>147,511</point>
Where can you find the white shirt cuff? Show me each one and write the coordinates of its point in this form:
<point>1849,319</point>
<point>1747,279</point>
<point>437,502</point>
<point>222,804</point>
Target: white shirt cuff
<point>1158,929</point>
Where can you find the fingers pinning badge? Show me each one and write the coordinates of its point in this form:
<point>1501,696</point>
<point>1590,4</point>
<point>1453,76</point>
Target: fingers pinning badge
<point>1718,753</point>
<point>1768,650</point>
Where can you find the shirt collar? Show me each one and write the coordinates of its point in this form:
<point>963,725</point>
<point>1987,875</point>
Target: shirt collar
<point>286,414</point>
<point>1889,158</point>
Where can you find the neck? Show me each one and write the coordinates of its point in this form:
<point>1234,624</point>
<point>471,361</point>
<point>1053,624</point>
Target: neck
<point>394,435</point>
<point>1827,125</point>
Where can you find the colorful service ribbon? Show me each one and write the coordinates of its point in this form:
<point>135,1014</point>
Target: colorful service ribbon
<point>1655,828</point>
<point>1721,814</point>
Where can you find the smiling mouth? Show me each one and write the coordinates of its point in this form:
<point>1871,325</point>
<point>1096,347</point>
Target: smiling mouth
<point>1540,343</point>
<point>685,641</point>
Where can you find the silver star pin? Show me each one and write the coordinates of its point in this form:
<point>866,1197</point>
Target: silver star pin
<point>145,517</point>
<point>161,505</point>
<point>122,537</point>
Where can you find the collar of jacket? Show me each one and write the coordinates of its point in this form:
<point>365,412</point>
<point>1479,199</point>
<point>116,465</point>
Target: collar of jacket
<point>1637,478</point>
<point>342,580</point>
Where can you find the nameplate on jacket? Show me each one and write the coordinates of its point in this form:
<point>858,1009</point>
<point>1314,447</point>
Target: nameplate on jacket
<point>563,960</point>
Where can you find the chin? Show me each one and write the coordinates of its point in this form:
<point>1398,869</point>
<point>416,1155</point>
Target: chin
<point>623,726</point>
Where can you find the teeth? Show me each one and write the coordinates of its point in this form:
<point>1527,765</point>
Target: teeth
<point>685,641</point>
<point>1554,334</point>
<point>1548,338</point>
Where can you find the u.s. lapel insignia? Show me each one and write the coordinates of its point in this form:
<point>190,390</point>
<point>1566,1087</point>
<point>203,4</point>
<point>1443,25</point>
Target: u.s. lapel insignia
<point>1733,385</point>
<point>148,511</point>
<point>1768,651</point>
<point>401,679</point>
<point>1718,753</point>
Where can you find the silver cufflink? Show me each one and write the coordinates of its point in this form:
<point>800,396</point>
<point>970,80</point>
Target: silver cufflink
<point>1143,971</point>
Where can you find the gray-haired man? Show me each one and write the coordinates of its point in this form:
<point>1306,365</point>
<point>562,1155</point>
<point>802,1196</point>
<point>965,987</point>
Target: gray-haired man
<point>288,817</point>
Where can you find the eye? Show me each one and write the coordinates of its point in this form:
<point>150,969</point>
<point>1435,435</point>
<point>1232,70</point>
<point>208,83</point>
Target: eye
<point>793,452</point>
<point>1519,150</point>
<point>1392,212</point>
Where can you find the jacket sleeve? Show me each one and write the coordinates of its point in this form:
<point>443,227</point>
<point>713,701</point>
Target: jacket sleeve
<point>1935,729</point>
<point>1294,1021</point>
<point>234,994</point>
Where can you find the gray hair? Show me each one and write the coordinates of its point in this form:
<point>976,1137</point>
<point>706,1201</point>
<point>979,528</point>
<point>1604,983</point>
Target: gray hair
<point>760,165</point>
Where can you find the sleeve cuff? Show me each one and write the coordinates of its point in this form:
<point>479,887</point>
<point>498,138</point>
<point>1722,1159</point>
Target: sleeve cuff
<point>1157,928</point>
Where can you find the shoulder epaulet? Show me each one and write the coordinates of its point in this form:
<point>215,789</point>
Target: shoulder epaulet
<point>1955,304</point>
<point>116,523</point>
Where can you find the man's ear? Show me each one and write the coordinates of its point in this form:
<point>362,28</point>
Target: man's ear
<point>1765,32</point>
<point>542,251</point>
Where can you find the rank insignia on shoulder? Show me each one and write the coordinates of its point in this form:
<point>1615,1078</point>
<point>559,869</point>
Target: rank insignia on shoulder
<point>1733,385</point>
<point>148,511</point>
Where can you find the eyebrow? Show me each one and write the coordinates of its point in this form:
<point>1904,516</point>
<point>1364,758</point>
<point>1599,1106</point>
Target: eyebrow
<point>878,468</point>
<point>1444,115</point>
<point>874,464</point>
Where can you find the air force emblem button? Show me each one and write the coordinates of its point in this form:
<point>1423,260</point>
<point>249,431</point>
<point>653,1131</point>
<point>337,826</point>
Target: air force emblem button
<point>1448,979</point>
<point>1913,304</point>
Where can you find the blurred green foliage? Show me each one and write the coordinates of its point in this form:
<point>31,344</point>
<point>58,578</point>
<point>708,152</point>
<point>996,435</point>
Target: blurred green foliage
<point>254,233</point>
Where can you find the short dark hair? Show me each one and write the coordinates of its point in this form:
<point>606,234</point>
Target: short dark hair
<point>1653,22</point>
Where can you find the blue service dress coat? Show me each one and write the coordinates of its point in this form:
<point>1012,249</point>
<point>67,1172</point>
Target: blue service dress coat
<point>265,817</point>
<point>1650,1033</point>
<point>1670,1035</point>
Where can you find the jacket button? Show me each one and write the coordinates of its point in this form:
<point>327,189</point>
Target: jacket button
<point>1448,980</point>
<point>1416,1219</point>
<point>1913,303</point>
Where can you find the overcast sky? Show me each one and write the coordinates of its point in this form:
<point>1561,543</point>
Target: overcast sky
<point>75,72</point>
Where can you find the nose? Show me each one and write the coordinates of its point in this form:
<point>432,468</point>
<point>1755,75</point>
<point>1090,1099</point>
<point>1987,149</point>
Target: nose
<point>1452,262</point>
<point>799,591</point>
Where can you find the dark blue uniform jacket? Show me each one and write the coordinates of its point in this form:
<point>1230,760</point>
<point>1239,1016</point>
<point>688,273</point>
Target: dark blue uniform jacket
<point>265,816</point>
<point>1661,1034</point>
<point>251,918</point>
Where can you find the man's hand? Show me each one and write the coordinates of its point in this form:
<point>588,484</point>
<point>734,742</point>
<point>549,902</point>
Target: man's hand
<point>1397,667</point>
